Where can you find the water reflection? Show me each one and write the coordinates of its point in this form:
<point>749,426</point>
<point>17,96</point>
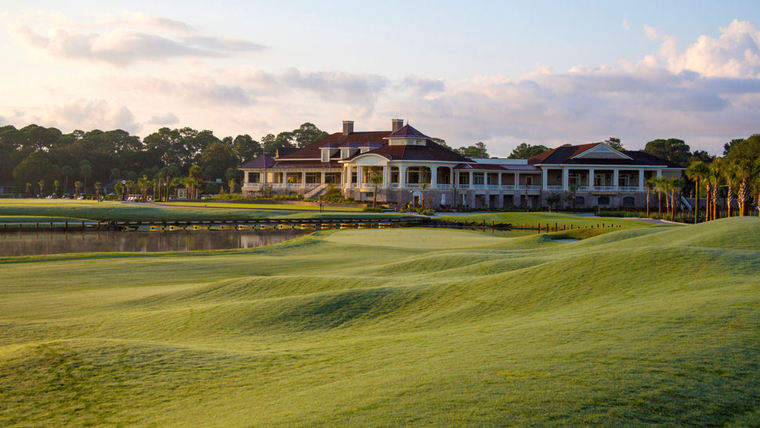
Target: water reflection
<point>30,243</point>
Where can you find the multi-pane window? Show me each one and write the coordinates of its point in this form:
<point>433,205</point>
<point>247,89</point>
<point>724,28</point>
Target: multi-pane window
<point>479,178</point>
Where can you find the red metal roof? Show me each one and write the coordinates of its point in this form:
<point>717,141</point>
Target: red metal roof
<point>407,131</point>
<point>262,161</point>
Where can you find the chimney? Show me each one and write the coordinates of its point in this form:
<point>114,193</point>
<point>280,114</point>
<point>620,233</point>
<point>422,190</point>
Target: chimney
<point>397,124</point>
<point>348,127</point>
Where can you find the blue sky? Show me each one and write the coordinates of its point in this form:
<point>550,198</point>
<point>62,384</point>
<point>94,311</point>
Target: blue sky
<point>501,72</point>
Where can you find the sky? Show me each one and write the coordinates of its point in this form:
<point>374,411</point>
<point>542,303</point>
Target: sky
<point>501,72</point>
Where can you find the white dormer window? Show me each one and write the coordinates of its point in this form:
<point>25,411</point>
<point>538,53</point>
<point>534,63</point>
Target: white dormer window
<point>345,152</point>
<point>364,150</point>
<point>325,155</point>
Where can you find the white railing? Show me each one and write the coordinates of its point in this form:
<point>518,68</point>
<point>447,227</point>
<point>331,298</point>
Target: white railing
<point>532,188</point>
<point>629,189</point>
<point>555,188</point>
<point>605,188</point>
<point>444,186</point>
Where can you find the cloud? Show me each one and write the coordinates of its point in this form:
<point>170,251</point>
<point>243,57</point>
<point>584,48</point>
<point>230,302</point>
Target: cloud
<point>90,114</point>
<point>624,24</point>
<point>421,86</point>
<point>735,53</point>
<point>127,40</point>
<point>166,119</point>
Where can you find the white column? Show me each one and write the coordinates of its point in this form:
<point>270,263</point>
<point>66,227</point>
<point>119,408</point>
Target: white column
<point>264,177</point>
<point>386,176</point>
<point>499,180</point>
<point>544,178</point>
<point>641,180</point>
<point>303,179</point>
<point>517,181</point>
<point>451,176</point>
<point>615,178</point>
<point>472,183</point>
<point>433,177</point>
<point>322,178</point>
<point>284,180</point>
<point>359,176</point>
<point>591,174</point>
<point>565,179</point>
<point>659,173</point>
<point>402,176</point>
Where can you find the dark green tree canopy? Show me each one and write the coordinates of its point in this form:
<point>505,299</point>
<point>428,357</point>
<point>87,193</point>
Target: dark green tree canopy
<point>672,149</point>
<point>216,158</point>
<point>478,150</point>
<point>526,151</point>
<point>307,134</point>
<point>615,143</point>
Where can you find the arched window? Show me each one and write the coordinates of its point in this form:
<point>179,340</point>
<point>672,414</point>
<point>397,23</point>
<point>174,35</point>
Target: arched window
<point>629,201</point>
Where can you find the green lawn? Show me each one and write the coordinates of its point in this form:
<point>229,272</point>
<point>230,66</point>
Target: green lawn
<point>109,210</point>
<point>532,219</point>
<point>643,326</point>
<point>266,206</point>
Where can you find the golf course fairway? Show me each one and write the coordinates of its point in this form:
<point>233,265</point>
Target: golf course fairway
<point>642,326</point>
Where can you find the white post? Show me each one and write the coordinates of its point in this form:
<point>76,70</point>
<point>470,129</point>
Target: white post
<point>402,176</point>
<point>544,178</point>
<point>499,180</point>
<point>565,179</point>
<point>284,179</point>
<point>591,178</point>
<point>615,178</point>
<point>359,176</point>
<point>386,176</point>
<point>264,177</point>
<point>641,180</point>
<point>303,179</point>
<point>433,177</point>
<point>322,178</point>
<point>517,181</point>
<point>472,183</point>
<point>659,173</point>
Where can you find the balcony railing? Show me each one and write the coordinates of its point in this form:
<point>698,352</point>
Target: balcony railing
<point>630,189</point>
<point>555,188</point>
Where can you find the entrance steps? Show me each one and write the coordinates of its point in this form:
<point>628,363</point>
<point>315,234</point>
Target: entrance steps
<point>315,191</point>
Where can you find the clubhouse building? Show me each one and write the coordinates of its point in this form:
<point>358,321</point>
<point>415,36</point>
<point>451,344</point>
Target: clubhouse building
<point>405,166</point>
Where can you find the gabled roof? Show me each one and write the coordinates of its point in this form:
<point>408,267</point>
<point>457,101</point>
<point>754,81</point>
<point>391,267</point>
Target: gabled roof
<point>407,131</point>
<point>262,161</point>
<point>338,139</point>
<point>431,152</point>
<point>568,155</point>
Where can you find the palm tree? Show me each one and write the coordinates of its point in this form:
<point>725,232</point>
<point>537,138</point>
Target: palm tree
<point>730,175</point>
<point>232,184</point>
<point>744,159</point>
<point>658,184</point>
<point>716,172</point>
<point>376,180</point>
<point>98,186</point>
<point>41,184</point>
<point>77,186</point>
<point>196,176</point>
<point>28,188</point>
<point>57,185</point>
<point>675,185</point>
<point>143,183</point>
<point>650,185</point>
<point>422,191</point>
<point>697,171</point>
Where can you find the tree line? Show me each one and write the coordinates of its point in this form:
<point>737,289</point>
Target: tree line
<point>45,160</point>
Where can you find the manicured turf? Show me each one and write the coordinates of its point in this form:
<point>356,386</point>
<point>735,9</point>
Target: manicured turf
<point>267,206</point>
<point>532,219</point>
<point>644,326</point>
<point>146,212</point>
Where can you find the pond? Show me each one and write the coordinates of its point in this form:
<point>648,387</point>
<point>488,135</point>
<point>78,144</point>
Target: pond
<point>31,243</point>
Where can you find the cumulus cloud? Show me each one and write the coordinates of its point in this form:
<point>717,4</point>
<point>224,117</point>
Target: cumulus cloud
<point>126,40</point>
<point>165,120</point>
<point>91,114</point>
<point>625,25</point>
<point>735,53</point>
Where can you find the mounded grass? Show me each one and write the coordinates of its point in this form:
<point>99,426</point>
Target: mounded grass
<point>532,219</point>
<point>393,327</point>
<point>110,210</point>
